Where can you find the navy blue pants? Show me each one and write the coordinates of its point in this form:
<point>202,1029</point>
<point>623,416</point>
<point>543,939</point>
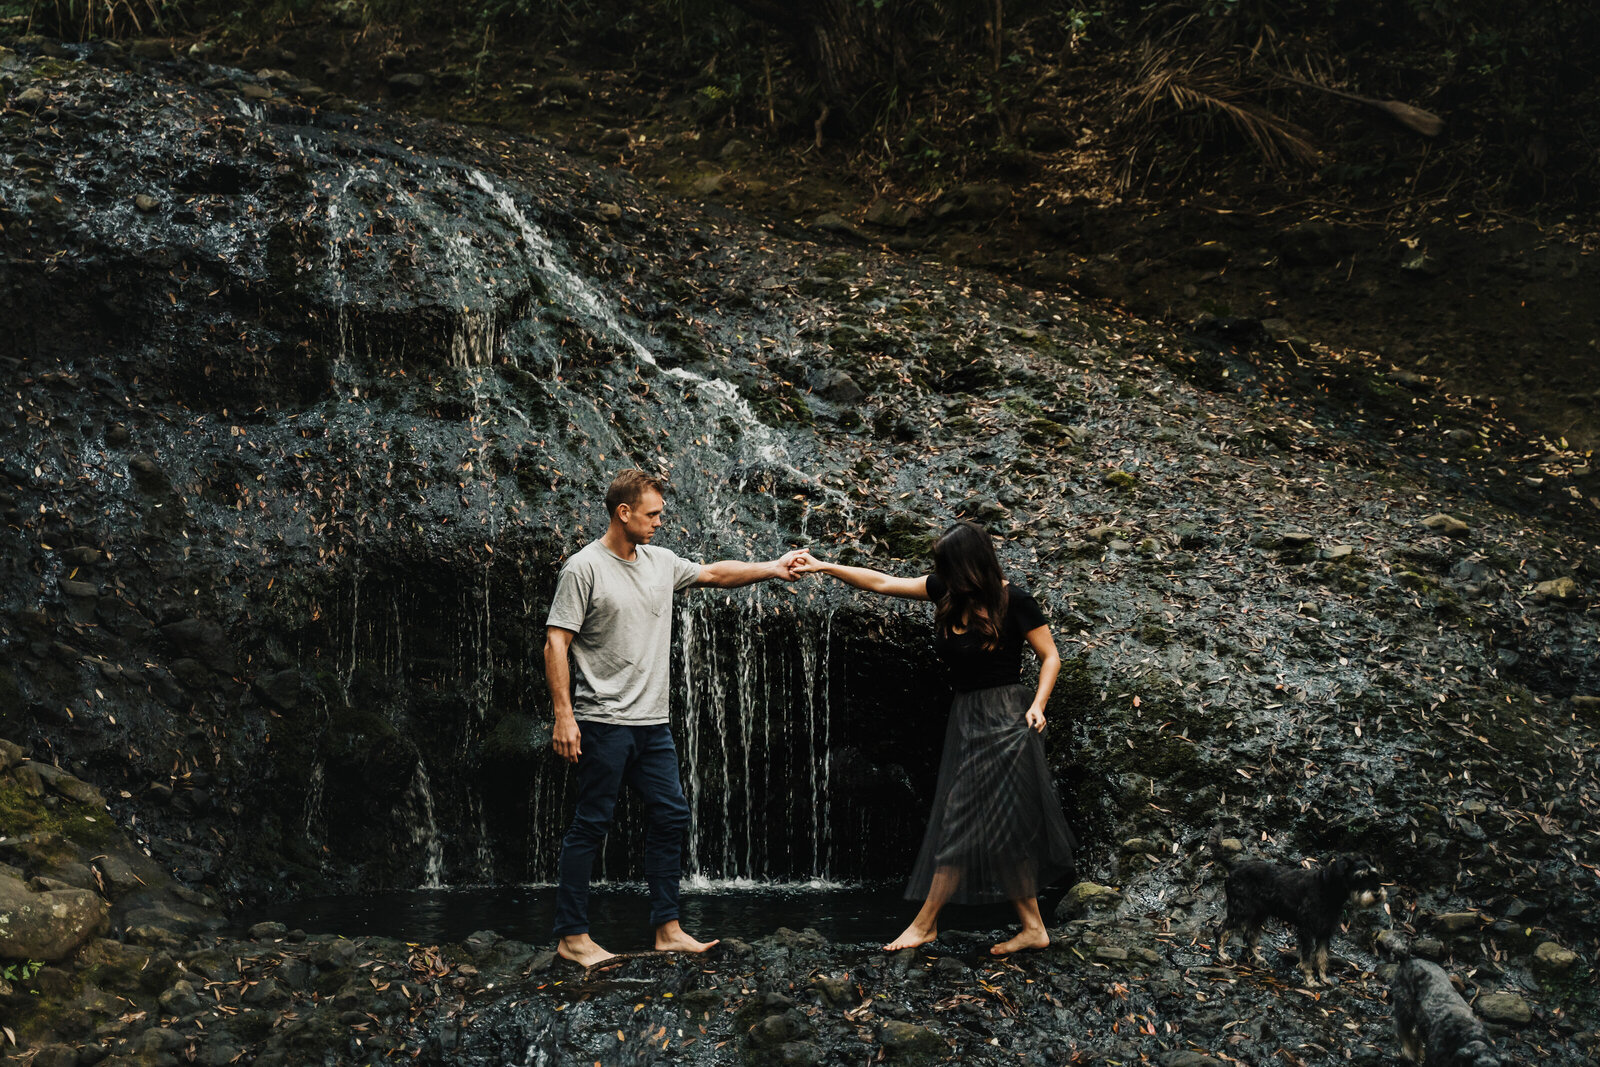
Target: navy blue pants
<point>612,756</point>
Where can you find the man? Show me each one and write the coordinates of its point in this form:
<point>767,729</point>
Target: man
<point>613,613</point>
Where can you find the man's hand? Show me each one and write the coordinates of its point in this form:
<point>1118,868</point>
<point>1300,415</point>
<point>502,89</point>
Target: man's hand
<point>567,738</point>
<point>787,565</point>
<point>805,563</point>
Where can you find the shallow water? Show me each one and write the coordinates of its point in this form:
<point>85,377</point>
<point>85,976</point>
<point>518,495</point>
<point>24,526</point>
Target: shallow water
<point>620,912</point>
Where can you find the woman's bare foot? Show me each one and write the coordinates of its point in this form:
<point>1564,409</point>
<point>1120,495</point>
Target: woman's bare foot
<point>581,949</point>
<point>913,936</point>
<point>670,937</point>
<point>1025,940</point>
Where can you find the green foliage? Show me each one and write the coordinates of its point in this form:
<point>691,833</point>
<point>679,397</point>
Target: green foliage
<point>22,971</point>
<point>83,20</point>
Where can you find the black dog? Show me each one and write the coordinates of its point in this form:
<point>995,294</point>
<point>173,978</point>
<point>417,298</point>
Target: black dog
<point>1312,901</point>
<point>1426,1003</point>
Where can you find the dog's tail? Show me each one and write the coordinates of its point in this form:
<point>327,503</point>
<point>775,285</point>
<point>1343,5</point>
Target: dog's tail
<point>1225,850</point>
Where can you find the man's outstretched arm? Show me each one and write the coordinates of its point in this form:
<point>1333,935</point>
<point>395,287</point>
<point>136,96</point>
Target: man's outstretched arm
<point>732,573</point>
<point>558,676</point>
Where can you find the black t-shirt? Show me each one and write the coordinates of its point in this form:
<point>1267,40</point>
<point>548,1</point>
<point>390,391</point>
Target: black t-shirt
<point>971,666</point>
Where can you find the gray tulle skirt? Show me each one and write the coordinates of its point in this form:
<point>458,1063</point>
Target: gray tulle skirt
<point>996,823</point>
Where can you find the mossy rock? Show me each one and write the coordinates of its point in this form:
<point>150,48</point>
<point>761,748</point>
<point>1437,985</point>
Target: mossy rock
<point>1415,582</point>
<point>57,831</point>
<point>903,534</point>
<point>1122,480</point>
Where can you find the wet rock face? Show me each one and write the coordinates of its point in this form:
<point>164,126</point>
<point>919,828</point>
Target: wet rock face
<point>292,462</point>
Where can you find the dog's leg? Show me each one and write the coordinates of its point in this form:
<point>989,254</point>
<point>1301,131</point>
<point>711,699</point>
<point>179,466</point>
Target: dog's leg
<point>1322,961</point>
<point>1307,964</point>
<point>1222,941</point>
<point>1253,938</point>
<point>1410,1041</point>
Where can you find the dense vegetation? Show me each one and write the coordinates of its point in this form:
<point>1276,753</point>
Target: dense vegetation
<point>1190,92</point>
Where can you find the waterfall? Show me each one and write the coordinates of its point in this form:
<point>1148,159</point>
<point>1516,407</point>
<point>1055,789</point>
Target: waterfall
<point>754,735</point>
<point>425,829</point>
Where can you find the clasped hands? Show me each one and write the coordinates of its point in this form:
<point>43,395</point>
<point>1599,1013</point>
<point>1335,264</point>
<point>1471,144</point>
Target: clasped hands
<point>791,565</point>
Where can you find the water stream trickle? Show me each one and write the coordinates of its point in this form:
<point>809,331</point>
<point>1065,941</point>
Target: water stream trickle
<point>425,829</point>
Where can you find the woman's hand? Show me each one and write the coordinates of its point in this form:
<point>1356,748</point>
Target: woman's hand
<point>806,563</point>
<point>1036,718</point>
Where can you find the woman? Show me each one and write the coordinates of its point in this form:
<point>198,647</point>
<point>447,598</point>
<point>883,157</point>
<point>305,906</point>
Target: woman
<point>996,831</point>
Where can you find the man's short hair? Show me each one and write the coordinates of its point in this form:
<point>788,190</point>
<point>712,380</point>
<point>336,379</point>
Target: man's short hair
<point>629,485</point>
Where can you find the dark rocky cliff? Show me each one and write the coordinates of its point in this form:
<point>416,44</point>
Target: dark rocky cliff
<point>303,411</point>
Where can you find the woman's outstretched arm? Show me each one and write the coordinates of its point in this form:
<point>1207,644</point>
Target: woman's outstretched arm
<point>1043,643</point>
<point>865,578</point>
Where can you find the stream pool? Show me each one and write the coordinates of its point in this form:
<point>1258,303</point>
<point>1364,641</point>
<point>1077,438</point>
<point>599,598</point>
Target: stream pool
<point>620,912</point>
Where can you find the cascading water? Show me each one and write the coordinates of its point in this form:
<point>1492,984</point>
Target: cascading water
<point>425,829</point>
<point>446,656</point>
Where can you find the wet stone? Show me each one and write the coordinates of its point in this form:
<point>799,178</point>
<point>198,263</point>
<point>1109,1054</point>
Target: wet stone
<point>220,1049</point>
<point>1086,897</point>
<point>181,1000</point>
<point>901,1039</point>
<point>1553,960</point>
<point>1508,1009</point>
<point>1448,525</point>
<point>776,1030</point>
<point>1557,589</point>
<point>145,203</point>
<point>295,973</point>
<point>1184,1058</point>
<point>835,992</point>
<point>1456,922</point>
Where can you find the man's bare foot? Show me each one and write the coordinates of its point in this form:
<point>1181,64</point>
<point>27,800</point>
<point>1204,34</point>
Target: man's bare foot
<point>911,937</point>
<point>1025,940</point>
<point>670,937</point>
<point>581,949</point>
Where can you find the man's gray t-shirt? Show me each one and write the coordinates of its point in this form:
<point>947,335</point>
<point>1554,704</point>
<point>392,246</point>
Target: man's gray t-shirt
<point>621,612</point>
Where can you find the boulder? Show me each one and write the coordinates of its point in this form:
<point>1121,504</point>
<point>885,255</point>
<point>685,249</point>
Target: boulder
<point>47,926</point>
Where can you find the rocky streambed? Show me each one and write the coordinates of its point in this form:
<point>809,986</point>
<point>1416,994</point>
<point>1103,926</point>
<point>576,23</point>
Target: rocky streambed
<point>305,407</point>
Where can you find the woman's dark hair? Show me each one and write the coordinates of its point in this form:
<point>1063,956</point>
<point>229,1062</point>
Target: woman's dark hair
<point>975,590</point>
